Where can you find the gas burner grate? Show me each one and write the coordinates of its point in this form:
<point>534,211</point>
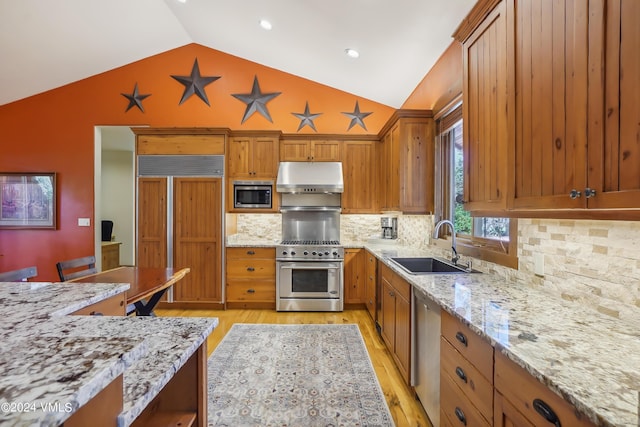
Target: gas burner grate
<point>310,242</point>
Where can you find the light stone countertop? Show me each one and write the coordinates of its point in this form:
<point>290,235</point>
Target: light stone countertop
<point>590,359</point>
<point>52,363</point>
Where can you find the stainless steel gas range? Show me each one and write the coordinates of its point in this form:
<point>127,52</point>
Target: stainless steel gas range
<point>310,259</point>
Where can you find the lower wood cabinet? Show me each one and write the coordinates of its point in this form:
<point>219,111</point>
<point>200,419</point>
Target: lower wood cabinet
<point>113,306</point>
<point>520,399</point>
<point>105,406</point>
<point>396,319</point>
<point>110,255</point>
<point>251,277</point>
<point>370,283</point>
<point>354,277</point>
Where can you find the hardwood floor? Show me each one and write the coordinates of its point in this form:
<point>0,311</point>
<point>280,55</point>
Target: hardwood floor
<point>404,407</point>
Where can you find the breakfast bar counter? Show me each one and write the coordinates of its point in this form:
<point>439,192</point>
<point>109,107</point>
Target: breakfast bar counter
<point>53,363</point>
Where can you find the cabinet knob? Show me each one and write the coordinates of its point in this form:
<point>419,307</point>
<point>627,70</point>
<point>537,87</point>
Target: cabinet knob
<point>460,373</point>
<point>588,192</point>
<point>462,338</point>
<point>545,410</point>
<point>574,194</point>
<point>460,415</point>
<point>251,291</point>
<point>251,269</point>
<point>251,252</point>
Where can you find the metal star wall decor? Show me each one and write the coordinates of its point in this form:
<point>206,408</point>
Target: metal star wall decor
<point>256,101</point>
<point>306,118</point>
<point>135,99</point>
<point>357,117</point>
<point>195,83</point>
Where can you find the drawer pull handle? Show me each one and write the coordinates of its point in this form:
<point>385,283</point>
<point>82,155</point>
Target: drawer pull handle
<point>251,291</point>
<point>460,415</point>
<point>463,339</point>
<point>96,313</point>
<point>461,374</point>
<point>251,269</point>
<point>251,252</point>
<point>545,410</point>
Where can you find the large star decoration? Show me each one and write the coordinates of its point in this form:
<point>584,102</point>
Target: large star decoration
<point>256,101</point>
<point>357,117</point>
<point>195,83</point>
<point>306,118</point>
<point>135,99</point>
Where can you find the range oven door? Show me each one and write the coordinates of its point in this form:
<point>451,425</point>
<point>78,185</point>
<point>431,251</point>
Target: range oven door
<point>319,279</point>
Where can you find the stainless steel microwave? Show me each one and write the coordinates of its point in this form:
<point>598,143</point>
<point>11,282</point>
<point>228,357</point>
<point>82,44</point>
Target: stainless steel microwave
<point>252,194</point>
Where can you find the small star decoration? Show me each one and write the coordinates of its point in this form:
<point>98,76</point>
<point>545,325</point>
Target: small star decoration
<point>135,99</point>
<point>256,101</point>
<point>306,118</point>
<point>357,117</point>
<point>195,83</point>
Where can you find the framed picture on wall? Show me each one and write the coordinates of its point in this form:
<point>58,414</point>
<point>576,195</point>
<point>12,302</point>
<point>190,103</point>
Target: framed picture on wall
<point>27,200</point>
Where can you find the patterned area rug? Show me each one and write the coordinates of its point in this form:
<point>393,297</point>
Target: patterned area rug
<point>294,375</point>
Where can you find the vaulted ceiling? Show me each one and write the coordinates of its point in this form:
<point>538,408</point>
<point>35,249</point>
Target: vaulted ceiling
<point>45,44</point>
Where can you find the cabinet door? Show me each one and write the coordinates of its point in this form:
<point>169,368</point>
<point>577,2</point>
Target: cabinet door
<point>239,156</point>
<point>264,157</point>
<point>325,151</point>
<point>485,114</point>
<point>614,104</point>
<point>359,177</point>
<point>403,335</point>
<point>152,222</point>
<point>550,61</point>
<point>506,415</point>
<point>388,321</point>
<point>416,166</point>
<point>354,276</point>
<point>370,284</point>
<point>390,169</point>
<point>197,239</point>
<point>295,151</point>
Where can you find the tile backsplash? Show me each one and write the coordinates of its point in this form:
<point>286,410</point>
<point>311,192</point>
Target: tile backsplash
<point>595,263</point>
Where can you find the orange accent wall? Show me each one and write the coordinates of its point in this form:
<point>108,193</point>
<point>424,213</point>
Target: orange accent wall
<point>441,84</point>
<point>54,131</point>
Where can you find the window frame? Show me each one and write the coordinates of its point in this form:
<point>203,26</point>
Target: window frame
<point>491,250</point>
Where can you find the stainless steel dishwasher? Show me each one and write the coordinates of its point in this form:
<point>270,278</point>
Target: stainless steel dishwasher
<point>426,354</point>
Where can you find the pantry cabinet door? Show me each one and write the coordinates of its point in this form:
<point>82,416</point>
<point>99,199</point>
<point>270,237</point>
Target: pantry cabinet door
<point>550,64</point>
<point>614,104</point>
<point>152,222</point>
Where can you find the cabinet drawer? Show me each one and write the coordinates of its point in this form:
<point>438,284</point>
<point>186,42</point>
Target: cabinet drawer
<point>264,291</point>
<point>113,306</point>
<point>251,268</point>
<point>402,286</point>
<point>521,389</point>
<point>238,253</point>
<point>460,371</point>
<point>456,407</point>
<point>469,344</point>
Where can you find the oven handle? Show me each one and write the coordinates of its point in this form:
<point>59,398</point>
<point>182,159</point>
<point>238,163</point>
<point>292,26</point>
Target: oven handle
<point>287,267</point>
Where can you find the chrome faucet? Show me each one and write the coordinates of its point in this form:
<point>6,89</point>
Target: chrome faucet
<point>436,231</point>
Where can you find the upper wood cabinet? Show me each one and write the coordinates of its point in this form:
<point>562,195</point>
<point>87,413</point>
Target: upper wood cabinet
<point>485,113</point>
<point>551,107</point>
<point>360,176</point>
<point>406,162</point>
<point>251,155</point>
<point>309,150</point>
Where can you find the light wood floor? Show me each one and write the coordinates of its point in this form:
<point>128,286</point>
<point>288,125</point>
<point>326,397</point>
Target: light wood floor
<point>405,409</point>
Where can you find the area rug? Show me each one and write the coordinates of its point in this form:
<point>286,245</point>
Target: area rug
<point>294,375</point>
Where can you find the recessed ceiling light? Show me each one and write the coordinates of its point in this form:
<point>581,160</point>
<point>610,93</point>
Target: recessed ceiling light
<point>182,1</point>
<point>265,24</point>
<point>352,53</point>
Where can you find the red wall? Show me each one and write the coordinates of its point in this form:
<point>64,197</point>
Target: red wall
<point>54,132</point>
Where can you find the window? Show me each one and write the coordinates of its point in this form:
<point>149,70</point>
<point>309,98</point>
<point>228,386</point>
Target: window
<point>490,239</point>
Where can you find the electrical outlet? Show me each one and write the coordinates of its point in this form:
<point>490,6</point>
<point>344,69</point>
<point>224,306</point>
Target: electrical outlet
<point>84,222</point>
<point>538,264</point>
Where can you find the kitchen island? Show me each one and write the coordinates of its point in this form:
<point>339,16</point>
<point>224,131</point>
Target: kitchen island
<point>53,363</point>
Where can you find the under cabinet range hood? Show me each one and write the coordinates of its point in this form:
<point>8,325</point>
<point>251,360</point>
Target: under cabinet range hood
<point>310,177</point>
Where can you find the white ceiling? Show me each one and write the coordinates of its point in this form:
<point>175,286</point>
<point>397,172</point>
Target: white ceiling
<point>46,44</point>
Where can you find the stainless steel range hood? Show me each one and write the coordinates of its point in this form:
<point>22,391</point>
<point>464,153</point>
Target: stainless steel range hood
<point>310,177</point>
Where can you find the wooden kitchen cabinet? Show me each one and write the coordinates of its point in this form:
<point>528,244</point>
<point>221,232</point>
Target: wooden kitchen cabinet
<point>370,283</point>
<point>252,155</point>
<point>466,374</point>
<point>110,255</point>
<point>518,394</point>
<point>360,176</point>
<point>354,276</point>
<point>396,319</point>
<point>309,150</point>
<point>251,278</point>
<point>113,306</point>
<point>406,162</point>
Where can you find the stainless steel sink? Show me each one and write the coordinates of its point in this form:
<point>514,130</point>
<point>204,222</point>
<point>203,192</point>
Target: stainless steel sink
<point>429,265</point>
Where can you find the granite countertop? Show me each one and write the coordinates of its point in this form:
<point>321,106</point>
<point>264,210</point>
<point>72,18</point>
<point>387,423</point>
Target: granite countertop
<point>590,359</point>
<point>53,363</point>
